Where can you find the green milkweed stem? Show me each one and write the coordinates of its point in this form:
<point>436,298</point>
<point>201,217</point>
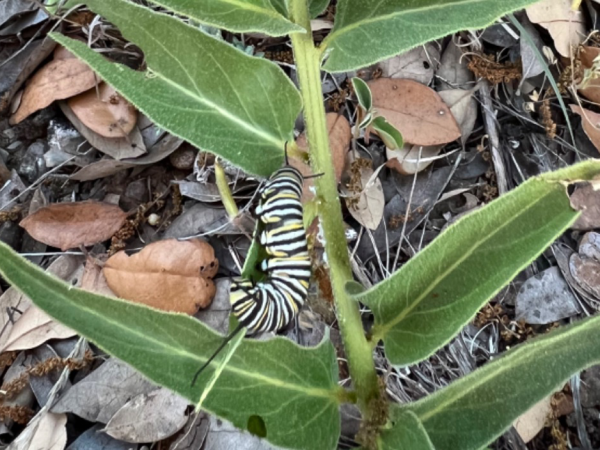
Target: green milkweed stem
<point>358,350</point>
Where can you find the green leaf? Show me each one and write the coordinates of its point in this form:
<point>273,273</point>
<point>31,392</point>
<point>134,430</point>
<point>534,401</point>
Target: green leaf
<point>407,432</point>
<point>316,7</point>
<point>363,94</point>
<point>292,389</point>
<point>239,16</point>
<point>425,303</point>
<point>474,410</point>
<point>199,88</point>
<point>388,133</point>
<point>368,31</point>
<point>222,360</point>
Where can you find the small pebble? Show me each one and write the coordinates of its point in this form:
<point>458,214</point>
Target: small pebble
<point>183,158</point>
<point>153,219</point>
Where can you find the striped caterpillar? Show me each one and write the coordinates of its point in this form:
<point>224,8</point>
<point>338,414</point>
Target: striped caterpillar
<point>272,304</point>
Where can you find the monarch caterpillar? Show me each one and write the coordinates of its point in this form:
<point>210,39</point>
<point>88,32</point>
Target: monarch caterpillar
<point>270,305</point>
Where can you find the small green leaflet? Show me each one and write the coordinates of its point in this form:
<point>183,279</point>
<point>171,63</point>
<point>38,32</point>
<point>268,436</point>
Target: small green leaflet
<point>199,88</point>
<point>363,94</point>
<point>368,31</point>
<point>389,134</point>
<point>292,389</point>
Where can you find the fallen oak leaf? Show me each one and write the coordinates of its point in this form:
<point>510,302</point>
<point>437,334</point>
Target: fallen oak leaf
<point>149,417</point>
<point>340,136</point>
<point>93,279</point>
<point>48,432</point>
<point>411,159</point>
<point>417,111</point>
<point>586,199</point>
<point>109,166</point>
<point>69,225</point>
<point>531,422</point>
<point>34,328</point>
<point>591,124</point>
<point>565,25</point>
<point>104,111</point>
<point>119,148</point>
<point>464,109</point>
<point>57,80</point>
<point>414,158</point>
<point>364,193</point>
<point>170,275</point>
<point>417,64</point>
<point>589,86</point>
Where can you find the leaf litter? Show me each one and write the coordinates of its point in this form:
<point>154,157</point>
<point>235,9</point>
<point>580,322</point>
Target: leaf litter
<point>104,111</point>
<point>70,225</point>
<point>170,275</point>
<point>169,190</point>
<point>59,79</point>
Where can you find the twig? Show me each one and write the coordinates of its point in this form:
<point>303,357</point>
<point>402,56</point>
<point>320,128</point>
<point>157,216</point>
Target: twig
<point>581,430</point>
<point>494,140</point>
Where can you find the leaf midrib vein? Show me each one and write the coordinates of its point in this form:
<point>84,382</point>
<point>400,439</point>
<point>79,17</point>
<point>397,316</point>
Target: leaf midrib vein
<point>272,13</point>
<point>56,291</point>
<point>451,268</point>
<point>197,96</point>
<point>359,24</point>
<point>524,352</point>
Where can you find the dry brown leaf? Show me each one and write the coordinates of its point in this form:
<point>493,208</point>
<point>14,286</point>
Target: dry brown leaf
<point>170,275</point>
<point>104,111</point>
<point>407,160</point>
<point>62,53</point>
<point>340,136</point>
<point>416,110</point>
<point>591,91</point>
<point>108,166</point>
<point>417,64</point>
<point>119,148</point>
<point>34,328</point>
<point>93,279</point>
<point>22,65</point>
<point>57,80</point>
<point>454,69</point>
<point>591,124</point>
<point>566,26</point>
<point>46,432</point>
<point>365,200</point>
<point>320,24</point>
<point>69,225</point>
<point>586,199</point>
<point>149,417</point>
<point>14,304</point>
<point>530,423</point>
<point>464,109</point>
<point>98,396</point>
